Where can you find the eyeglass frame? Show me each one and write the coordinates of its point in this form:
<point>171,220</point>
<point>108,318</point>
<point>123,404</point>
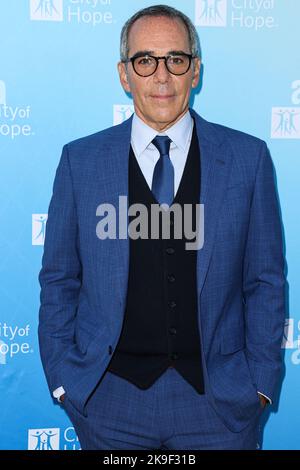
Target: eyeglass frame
<point>157,59</point>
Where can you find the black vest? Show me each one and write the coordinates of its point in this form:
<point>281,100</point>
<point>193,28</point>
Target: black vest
<point>160,327</point>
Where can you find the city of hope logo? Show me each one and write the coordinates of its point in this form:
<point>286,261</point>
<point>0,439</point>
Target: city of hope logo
<point>39,228</point>
<point>247,14</point>
<point>285,122</point>
<point>12,118</point>
<point>12,341</point>
<point>211,13</point>
<point>291,340</point>
<point>76,11</point>
<point>46,10</point>
<point>43,439</point>
<point>53,439</point>
<point>121,112</point>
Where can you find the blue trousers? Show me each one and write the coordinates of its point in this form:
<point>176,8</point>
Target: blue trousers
<point>168,415</point>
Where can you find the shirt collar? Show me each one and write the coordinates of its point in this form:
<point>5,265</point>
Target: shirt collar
<point>142,134</point>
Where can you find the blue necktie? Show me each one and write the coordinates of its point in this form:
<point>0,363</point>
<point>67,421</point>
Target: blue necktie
<point>163,176</point>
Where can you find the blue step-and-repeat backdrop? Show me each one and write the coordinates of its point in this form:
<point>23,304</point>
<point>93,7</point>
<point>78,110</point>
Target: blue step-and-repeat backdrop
<point>58,82</point>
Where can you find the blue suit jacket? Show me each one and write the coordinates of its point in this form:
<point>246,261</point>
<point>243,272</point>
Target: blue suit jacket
<point>240,269</point>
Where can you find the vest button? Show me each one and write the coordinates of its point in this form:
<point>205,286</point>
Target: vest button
<point>173,331</point>
<point>170,251</point>
<point>171,278</point>
<point>172,303</point>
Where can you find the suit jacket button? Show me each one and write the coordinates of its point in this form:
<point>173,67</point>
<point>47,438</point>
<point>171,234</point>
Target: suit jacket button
<point>110,349</point>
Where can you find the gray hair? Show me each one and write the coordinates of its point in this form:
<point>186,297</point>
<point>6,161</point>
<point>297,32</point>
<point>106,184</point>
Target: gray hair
<point>160,10</point>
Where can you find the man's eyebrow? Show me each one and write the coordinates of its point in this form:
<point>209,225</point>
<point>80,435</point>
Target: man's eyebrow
<point>177,52</point>
<point>142,53</point>
<point>147,52</point>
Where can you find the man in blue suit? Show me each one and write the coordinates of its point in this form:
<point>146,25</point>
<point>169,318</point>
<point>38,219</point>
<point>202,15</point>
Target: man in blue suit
<point>148,344</point>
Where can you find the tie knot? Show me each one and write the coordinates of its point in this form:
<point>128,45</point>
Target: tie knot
<point>162,143</point>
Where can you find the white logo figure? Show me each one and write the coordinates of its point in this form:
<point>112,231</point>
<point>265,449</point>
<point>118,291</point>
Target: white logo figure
<point>39,228</point>
<point>122,112</point>
<point>211,13</point>
<point>46,10</point>
<point>285,123</point>
<point>288,336</point>
<point>291,339</point>
<point>2,92</point>
<point>43,439</point>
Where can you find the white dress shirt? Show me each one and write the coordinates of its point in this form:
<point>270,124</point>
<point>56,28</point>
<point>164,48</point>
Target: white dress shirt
<point>147,154</point>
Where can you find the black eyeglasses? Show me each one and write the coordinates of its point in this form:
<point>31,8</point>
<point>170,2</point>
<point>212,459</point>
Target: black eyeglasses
<point>145,65</point>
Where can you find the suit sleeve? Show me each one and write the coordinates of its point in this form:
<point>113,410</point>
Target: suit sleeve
<point>264,280</point>
<point>60,275</point>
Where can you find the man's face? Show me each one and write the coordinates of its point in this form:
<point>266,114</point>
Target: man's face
<point>161,99</point>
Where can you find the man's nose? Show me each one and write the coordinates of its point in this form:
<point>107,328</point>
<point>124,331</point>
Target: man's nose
<point>162,74</point>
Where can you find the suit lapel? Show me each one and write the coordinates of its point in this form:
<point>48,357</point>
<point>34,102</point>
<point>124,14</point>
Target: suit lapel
<point>117,148</point>
<point>216,161</point>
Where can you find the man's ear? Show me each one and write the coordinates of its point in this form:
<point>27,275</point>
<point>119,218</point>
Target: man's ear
<point>196,72</point>
<point>123,74</point>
